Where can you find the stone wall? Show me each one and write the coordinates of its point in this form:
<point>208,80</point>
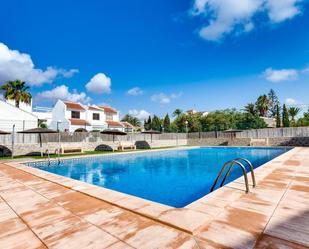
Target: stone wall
<point>34,148</point>
<point>289,141</point>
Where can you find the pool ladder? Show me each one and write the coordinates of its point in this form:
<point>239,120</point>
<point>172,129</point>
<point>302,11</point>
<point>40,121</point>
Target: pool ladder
<point>57,152</point>
<point>230,164</point>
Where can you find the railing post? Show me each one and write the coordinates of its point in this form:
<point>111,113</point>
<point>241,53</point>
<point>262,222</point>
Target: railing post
<point>13,138</point>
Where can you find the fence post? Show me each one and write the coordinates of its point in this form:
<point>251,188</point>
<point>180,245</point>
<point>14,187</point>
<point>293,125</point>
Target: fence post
<point>23,130</point>
<point>13,131</point>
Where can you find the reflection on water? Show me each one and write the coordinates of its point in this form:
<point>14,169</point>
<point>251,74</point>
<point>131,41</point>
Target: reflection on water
<point>174,177</point>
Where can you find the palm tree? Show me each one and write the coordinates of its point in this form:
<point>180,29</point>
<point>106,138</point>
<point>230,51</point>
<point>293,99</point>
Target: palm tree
<point>177,112</point>
<point>262,105</point>
<point>132,120</point>
<point>293,112</point>
<point>250,108</point>
<point>18,91</point>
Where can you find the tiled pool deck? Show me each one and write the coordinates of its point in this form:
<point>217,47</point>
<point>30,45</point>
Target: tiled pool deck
<point>42,210</point>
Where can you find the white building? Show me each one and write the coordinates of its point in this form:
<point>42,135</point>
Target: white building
<point>112,118</point>
<point>193,112</point>
<point>20,117</point>
<point>70,116</point>
<point>44,114</point>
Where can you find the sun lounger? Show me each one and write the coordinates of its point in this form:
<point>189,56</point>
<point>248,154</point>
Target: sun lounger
<point>69,149</point>
<point>123,145</point>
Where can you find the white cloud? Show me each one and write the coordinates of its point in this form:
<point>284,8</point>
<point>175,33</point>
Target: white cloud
<point>135,91</point>
<point>99,83</point>
<point>281,10</point>
<point>228,16</point>
<point>140,114</point>
<point>62,92</point>
<point>68,73</point>
<point>290,101</point>
<point>280,75</point>
<point>16,65</point>
<point>163,98</point>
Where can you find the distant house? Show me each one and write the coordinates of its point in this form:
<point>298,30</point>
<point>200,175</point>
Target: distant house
<point>128,127</point>
<point>71,116</point>
<point>270,122</point>
<point>20,117</point>
<point>192,112</point>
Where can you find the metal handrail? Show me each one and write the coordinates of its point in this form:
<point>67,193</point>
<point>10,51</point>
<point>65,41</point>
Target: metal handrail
<point>57,152</point>
<point>48,156</point>
<point>231,163</point>
<point>220,174</point>
<point>251,169</point>
<point>244,171</point>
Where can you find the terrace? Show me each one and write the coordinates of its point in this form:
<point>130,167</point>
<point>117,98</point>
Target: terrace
<point>43,210</point>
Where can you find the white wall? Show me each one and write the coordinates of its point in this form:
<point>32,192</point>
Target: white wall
<point>68,113</point>
<point>58,117</point>
<point>116,117</point>
<point>22,105</point>
<point>96,124</point>
<point>44,116</point>
<point>10,115</point>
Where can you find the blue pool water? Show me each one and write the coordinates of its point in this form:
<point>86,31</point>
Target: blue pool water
<point>173,177</point>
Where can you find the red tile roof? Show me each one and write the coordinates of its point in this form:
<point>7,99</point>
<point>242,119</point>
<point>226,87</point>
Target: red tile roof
<point>127,124</point>
<point>114,123</point>
<point>94,108</point>
<point>108,109</point>
<point>76,121</point>
<point>75,106</point>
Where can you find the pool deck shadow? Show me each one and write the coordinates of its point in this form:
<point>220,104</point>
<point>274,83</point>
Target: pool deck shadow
<point>42,210</point>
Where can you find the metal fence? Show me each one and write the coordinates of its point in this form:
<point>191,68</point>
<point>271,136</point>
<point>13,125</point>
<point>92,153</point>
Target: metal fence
<point>65,137</point>
<point>77,137</point>
<point>210,134</point>
<point>275,132</point>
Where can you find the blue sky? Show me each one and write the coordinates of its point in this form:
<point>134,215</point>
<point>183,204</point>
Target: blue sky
<point>202,54</point>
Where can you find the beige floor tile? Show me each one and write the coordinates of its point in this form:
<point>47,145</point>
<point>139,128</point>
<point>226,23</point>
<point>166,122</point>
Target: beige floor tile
<point>269,242</point>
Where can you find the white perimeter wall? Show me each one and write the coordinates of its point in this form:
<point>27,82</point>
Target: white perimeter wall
<point>10,115</point>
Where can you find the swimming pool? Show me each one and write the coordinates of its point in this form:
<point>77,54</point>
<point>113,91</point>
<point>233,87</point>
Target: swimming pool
<point>171,177</point>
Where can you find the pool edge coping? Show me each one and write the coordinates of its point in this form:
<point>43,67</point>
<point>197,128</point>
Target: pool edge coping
<point>185,219</point>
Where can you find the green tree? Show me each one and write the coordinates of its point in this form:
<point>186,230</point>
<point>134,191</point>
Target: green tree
<point>293,112</point>
<point>250,108</point>
<point>167,123</point>
<point>132,120</point>
<point>180,123</point>
<point>262,105</point>
<point>156,123</point>
<point>278,118</point>
<point>147,123</point>
<point>245,121</point>
<point>273,103</point>
<point>285,117</point>
<point>177,112</point>
<point>304,121</point>
<point>218,120</point>
<point>18,91</point>
<point>223,120</point>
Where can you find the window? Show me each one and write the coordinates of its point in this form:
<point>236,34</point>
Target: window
<point>96,116</point>
<point>75,114</point>
<point>109,116</point>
